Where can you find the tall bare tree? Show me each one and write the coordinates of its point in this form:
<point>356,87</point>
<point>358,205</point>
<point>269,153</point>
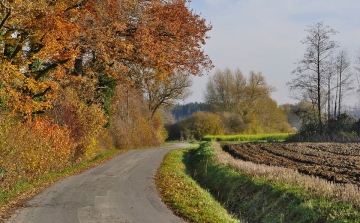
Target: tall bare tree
<point>312,68</point>
<point>329,80</point>
<point>344,79</point>
<point>357,68</point>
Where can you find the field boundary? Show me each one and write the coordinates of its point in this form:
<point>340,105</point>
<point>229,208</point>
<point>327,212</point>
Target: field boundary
<point>248,137</point>
<point>259,199</point>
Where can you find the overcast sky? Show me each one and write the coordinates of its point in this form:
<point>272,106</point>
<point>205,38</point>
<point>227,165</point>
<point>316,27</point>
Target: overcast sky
<point>264,36</point>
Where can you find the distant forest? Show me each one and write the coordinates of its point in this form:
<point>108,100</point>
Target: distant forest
<point>180,112</point>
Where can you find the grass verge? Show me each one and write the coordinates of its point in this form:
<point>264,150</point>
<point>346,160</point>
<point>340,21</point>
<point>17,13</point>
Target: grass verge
<point>248,138</point>
<point>24,190</point>
<point>258,199</point>
<point>183,195</point>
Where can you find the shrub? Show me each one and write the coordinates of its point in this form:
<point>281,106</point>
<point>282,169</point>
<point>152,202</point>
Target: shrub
<point>131,123</point>
<point>30,149</point>
<point>86,121</point>
<point>202,123</point>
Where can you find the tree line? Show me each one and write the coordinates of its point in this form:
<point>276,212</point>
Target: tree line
<point>323,79</point>
<point>80,77</point>
<point>234,104</point>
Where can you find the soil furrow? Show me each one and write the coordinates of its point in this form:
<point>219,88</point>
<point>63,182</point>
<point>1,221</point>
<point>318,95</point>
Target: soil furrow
<point>335,162</point>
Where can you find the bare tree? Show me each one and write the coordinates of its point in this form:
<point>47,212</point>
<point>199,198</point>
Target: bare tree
<point>329,79</point>
<point>344,79</point>
<point>312,68</point>
<point>357,68</point>
<point>167,92</point>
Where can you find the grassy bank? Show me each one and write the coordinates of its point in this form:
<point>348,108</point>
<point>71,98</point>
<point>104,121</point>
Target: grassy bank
<point>183,195</point>
<point>258,199</point>
<point>25,189</point>
<point>246,138</point>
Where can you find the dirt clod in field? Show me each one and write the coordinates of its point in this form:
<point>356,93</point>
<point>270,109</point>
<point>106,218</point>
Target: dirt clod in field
<point>335,162</point>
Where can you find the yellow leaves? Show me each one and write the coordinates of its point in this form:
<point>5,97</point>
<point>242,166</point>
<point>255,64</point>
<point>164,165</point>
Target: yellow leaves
<point>202,123</point>
<point>31,149</point>
<point>46,34</point>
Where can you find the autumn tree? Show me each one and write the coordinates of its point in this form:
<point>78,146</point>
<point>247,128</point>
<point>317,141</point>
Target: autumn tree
<point>228,90</point>
<point>131,126</point>
<point>266,116</point>
<point>312,68</point>
<point>129,37</point>
<point>167,92</point>
<point>153,46</point>
<point>233,123</point>
<point>255,89</point>
<point>200,124</point>
<point>225,89</point>
<point>72,66</point>
<point>245,102</point>
<point>37,44</point>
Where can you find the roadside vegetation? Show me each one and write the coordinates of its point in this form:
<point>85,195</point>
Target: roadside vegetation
<point>184,195</point>
<point>73,87</point>
<point>259,193</point>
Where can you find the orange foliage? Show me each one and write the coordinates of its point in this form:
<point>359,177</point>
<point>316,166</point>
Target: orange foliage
<point>42,41</point>
<point>135,35</point>
<point>59,61</point>
<point>38,44</point>
<point>30,149</point>
<point>85,121</point>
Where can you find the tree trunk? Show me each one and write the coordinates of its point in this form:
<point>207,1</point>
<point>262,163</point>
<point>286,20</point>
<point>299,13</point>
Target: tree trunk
<point>329,99</point>
<point>319,92</point>
<point>340,95</point>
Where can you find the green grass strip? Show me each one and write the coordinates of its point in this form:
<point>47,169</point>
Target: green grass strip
<point>260,200</point>
<point>183,195</point>
<point>246,138</point>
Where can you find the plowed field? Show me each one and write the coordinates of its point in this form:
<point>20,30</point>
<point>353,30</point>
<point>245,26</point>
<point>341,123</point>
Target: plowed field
<point>335,162</point>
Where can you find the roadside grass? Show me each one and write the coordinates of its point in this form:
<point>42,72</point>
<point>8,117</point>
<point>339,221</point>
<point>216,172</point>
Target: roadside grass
<point>183,195</point>
<point>259,199</point>
<point>24,189</point>
<point>248,138</point>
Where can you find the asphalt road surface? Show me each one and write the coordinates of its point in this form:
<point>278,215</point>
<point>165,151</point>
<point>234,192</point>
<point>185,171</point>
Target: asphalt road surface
<point>121,190</point>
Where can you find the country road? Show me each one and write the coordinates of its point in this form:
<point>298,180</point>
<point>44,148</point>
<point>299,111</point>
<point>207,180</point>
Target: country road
<point>121,190</point>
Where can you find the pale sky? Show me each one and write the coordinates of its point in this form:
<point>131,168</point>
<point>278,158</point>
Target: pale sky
<point>264,36</point>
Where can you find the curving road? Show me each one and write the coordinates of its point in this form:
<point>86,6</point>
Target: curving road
<point>121,190</point>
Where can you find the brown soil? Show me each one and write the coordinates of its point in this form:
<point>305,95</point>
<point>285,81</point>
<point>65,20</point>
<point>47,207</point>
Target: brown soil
<point>335,162</point>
